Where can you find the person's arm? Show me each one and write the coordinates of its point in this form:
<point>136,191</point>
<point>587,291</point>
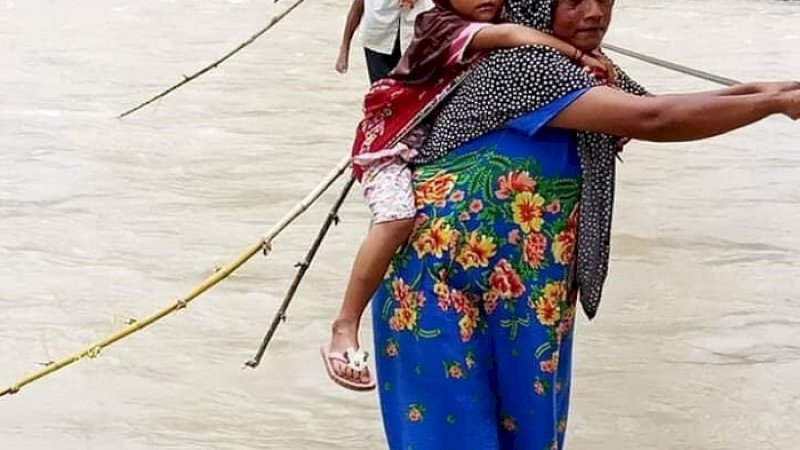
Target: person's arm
<point>751,88</point>
<point>672,118</point>
<point>509,35</point>
<point>350,27</point>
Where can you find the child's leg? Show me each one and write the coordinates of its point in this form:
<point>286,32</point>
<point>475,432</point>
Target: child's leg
<point>369,267</point>
<point>388,191</point>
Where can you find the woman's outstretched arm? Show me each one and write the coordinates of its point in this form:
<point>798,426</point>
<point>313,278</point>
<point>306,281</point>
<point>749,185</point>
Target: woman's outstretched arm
<point>750,88</point>
<point>673,117</point>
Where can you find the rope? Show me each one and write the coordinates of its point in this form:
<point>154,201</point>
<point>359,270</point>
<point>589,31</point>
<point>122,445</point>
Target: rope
<point>187,79</point>
<point>264,244</point>
<point>672,66</point>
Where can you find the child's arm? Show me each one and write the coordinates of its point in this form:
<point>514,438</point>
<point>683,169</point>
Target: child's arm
<point>350,27</point>
<point>508,35</point>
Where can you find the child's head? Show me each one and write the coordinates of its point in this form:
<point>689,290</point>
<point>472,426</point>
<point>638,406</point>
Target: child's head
<point>477,10</point>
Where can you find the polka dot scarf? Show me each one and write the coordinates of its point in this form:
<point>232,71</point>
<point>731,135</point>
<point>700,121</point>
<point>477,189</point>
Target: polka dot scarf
<point>510,83</point>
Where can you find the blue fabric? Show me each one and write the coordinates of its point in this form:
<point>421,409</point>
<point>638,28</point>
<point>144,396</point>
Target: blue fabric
<point>532,123</point>
<point>473,324</point>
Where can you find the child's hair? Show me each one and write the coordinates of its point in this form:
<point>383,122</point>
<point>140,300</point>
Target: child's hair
<point>434,32</point>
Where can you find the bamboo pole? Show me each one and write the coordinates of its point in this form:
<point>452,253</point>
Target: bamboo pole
<point>672,66</point>
<point>614,48</point>
<point>302,268</point>
<point>309,199</point>
<point>265,244</point>
<point>187,79</point>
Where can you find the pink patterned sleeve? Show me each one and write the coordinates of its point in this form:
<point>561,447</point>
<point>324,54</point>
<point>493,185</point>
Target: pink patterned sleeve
<point>458,48</point>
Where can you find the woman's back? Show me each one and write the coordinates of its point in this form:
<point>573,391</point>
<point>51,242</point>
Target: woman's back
<point>484,101</point>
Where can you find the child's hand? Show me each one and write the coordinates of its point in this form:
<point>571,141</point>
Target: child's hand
<point>599,66</point>
<point>342,61</point>
<point>595,66</point>
<point>610,70</point>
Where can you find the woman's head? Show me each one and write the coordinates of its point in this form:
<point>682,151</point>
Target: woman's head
<point>583,23</point>
<point>476,10</point>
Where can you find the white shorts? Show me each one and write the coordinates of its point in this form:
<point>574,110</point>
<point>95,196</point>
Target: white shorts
<point>389,191</point>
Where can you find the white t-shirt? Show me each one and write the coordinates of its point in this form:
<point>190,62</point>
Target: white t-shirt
<point>382,20</point>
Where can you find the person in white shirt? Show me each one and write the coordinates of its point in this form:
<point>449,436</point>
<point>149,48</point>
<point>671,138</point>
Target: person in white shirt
<point>387,32</point>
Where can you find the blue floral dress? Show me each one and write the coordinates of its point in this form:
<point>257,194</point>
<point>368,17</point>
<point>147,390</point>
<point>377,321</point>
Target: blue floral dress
<point>473,323</point>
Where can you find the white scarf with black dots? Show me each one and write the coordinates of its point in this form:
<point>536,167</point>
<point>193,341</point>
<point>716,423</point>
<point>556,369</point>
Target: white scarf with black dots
<point>510,83</point>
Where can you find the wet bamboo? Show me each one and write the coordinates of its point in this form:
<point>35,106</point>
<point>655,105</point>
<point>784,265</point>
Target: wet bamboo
<point>672,66</point>
<point>265,244</point>
<point>187,79</point>
<point>302,268</point>
<point>614,48</point>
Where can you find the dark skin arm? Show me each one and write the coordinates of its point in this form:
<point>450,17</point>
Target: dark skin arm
<point>509,35</point>
<point>753,88</point>
<point>673,118</point>
<point>350,27</point>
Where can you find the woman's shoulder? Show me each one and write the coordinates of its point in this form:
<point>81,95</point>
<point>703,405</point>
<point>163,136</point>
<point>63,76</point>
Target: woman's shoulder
<point>526,63</point>
<point>527,68</point>
<point>526,54</point>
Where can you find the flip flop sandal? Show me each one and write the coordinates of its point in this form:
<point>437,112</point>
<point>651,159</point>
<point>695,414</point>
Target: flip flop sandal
<point>354,359</point>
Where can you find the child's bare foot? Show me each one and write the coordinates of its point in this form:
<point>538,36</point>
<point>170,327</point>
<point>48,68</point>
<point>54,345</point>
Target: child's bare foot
<point>344,358</point>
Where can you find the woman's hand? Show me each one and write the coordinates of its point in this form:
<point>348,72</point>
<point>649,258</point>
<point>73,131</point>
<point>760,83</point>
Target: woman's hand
<point>343,60</point>
<point>671,118</point>
<point>790,101</point>
<point>776,87</point>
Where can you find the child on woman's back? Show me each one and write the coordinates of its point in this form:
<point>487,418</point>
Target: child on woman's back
<point>448,39</point>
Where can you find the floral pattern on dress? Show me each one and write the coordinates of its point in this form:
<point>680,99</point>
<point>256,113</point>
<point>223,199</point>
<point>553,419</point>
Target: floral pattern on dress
<point>480,293</point>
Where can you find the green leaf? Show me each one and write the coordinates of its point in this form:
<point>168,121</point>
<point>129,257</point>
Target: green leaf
<point>500,161</point>
<point>387,308</point>
<point>416,281</point>
<point>542,350</point>
<point>428,334</point>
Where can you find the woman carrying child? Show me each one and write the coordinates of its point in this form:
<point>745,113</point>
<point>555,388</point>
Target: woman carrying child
<point>448,40</point>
